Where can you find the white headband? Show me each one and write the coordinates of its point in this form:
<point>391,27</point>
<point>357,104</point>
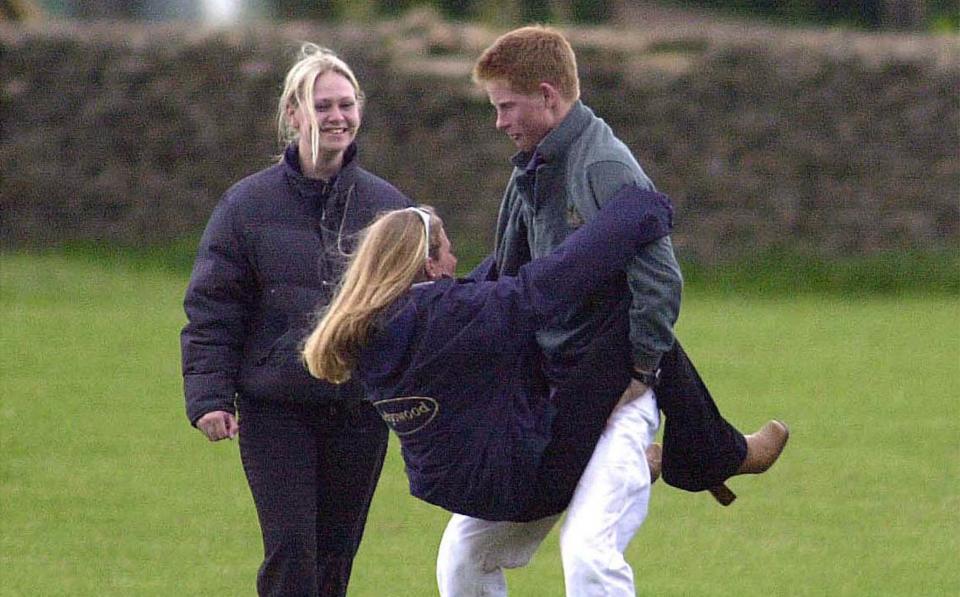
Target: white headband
<point>425,217</point>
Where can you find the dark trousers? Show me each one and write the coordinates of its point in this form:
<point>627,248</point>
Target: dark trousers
<point>584,397</point>
<point>700,448</point>
<point>312,471</point>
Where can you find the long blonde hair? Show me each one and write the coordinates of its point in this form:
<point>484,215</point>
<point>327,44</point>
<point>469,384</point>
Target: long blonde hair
<point>391,257</point>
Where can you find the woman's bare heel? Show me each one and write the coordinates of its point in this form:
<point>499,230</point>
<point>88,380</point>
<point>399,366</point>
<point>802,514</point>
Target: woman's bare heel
<point>722,494</point>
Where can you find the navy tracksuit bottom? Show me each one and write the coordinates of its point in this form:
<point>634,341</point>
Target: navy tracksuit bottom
<point>312,471</point>
<point>700,448</point>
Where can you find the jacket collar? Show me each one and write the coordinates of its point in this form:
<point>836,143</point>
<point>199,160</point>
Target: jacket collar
<point>291,162</point>
<point>315,189</point>
<point>552,147</point>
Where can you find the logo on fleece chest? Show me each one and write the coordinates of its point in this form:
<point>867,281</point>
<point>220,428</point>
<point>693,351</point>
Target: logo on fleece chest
<point>549,226</point>
<point>408,414</point>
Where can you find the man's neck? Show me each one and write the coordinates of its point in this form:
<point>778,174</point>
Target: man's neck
<point>559,115</point>
<point>563,108</point>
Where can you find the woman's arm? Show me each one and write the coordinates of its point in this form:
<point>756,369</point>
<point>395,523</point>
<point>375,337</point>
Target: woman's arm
<point>594,254</point>
<point>217,305</point>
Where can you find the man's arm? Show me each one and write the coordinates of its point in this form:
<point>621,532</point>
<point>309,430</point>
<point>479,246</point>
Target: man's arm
<point>656,284</point>
<point>653,275</point>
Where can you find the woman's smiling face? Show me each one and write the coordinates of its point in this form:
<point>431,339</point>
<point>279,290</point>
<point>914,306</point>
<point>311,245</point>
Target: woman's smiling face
<point>337,116</point>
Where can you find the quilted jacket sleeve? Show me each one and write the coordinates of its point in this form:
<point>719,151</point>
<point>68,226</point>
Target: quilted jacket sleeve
<point>218,307</point>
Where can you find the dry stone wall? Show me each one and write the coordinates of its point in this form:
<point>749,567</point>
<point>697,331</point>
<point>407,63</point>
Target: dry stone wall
<point>822,142</point>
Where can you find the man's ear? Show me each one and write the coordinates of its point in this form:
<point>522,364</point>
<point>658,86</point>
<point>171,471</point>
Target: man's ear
<point>551,96</point>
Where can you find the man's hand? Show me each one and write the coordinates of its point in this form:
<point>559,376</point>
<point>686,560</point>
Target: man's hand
<point>218,425</point>
<point>633,391</point>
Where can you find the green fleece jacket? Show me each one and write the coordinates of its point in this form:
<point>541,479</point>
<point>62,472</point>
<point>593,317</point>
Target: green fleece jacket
<point>553,190</point>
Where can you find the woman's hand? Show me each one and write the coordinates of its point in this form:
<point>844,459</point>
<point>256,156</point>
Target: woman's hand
<point>218,425</point>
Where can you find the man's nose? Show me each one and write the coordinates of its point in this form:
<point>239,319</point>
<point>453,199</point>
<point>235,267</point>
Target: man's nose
<point>501,122</point>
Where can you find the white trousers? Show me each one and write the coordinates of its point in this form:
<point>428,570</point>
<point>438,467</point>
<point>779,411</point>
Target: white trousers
<point>608,507</point>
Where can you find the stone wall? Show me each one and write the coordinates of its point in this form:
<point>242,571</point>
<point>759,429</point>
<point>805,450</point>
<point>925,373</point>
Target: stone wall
<point>823,142</point>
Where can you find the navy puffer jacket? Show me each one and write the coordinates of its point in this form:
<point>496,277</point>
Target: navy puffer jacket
<point>272,253</point>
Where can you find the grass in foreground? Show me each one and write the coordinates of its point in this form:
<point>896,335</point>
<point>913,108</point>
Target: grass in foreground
<point>106,490</point>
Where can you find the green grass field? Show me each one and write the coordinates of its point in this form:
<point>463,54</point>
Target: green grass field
<point>106,490</point>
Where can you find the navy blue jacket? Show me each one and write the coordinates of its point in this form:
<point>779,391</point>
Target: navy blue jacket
<point>275,243</point>
<point>455,370</point>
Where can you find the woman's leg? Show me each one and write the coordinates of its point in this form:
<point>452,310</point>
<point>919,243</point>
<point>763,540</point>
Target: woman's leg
<point>278,450</point>
<point>474,553</point>
<point>610,504</point>
<point>312,475</point>
<point>351,453</point>
<point>584,398</point>
<point>701,449</point>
